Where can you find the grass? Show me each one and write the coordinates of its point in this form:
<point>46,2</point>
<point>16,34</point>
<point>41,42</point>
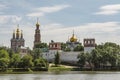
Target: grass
<point>59,68</point>
<point>52,68</point>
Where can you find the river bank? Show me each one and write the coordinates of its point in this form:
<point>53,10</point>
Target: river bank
<point>52,68</point>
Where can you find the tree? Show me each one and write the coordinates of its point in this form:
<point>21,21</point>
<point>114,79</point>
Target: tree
<point>112,56</point>
<point>88,59</point>
<point>39,63</point>
<point>63,46</point>
<point>26,61</point>
<point>79,48</point>
<point>103,56</point>
<point>41,45</point>
<point>81,59</point>
<point>37,53</point>
<point>95,58</point>
<point>11,52</point>
<point>4,62</point>
<point>67,49</point>
<point>3,48</point>
<point>15,60</point>
<point>4,59</point>
<point>57,59</point>
<point>4,54</point>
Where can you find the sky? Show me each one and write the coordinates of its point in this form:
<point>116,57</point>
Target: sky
<point>99,19</point>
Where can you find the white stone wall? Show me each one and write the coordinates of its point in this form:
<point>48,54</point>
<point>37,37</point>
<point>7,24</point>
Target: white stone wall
<point>50,55</point>
<point>88,49</point>
<point>68,57</point>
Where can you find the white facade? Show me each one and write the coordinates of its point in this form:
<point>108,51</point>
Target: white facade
<point>88,49</point>
<point>51,55</point>
<point>23,51</point>
<point>68,57</point>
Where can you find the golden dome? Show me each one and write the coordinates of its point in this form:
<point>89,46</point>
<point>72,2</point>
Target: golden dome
<point>73,38</point>
<point>17,31</point>
<point>37,24</point>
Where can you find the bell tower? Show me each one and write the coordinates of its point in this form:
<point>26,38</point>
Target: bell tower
<point>37,36</point>
<point>89,44</point>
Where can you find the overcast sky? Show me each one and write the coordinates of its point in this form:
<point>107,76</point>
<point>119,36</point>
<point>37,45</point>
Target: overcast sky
<point>99,19</point>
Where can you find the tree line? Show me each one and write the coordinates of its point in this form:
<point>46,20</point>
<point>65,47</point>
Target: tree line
<point>33,60</point>
<point>11,60</point>
<point>104,56</point>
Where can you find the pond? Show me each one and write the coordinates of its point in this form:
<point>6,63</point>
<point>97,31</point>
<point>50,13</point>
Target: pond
<point>63,76</point>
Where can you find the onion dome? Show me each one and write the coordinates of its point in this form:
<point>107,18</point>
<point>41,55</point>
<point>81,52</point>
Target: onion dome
<point>17,32</point>
<point>37,24</point>
<point>73,38</point>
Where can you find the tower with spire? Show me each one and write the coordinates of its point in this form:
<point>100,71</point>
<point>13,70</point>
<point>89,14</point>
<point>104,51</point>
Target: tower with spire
<point>37,36</point>
<point>17,40</point>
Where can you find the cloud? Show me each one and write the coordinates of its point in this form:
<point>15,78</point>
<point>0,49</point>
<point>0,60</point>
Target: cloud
<point>43,10</point>
<point>109,9</point>
<point>9,18</point>
<point>35,14</point>
<point>102,32</point>
<point>52,8</point>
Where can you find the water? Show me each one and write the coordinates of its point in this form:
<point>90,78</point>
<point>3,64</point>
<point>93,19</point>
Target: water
<point>63,76</point>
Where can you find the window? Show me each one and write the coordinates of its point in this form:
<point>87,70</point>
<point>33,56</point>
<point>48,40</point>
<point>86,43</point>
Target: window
<point>50,46</point>
<point>55,45</point>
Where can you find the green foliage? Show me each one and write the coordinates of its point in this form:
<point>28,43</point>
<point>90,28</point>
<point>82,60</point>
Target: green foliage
<point>39,63</point>
<point>4,59</point>
<point>11,52</point>
<point>37,53</point>
<point>95,58</point>
<point>67,49</point>
<point>82,59</point>
<point>9,70</point>
<point>57,59</point>
<point>4,54</point>
<point>79,48</point>
<point>109,44</point>
<point>102,56</point>
<point>41,45</point>
<point>63,46</point>
<point>26,61</point>
<point>4,62</point>
<point>10,61</point>
<point>15,60</point>
<point>3,48</point>
<point>29,70</point>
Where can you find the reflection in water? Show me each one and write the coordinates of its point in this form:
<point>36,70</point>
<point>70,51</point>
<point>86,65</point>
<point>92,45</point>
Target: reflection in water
<point>63,76</point>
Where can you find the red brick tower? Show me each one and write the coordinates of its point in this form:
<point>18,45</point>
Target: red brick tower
<point>37,36</point>
<point>89,44</point>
